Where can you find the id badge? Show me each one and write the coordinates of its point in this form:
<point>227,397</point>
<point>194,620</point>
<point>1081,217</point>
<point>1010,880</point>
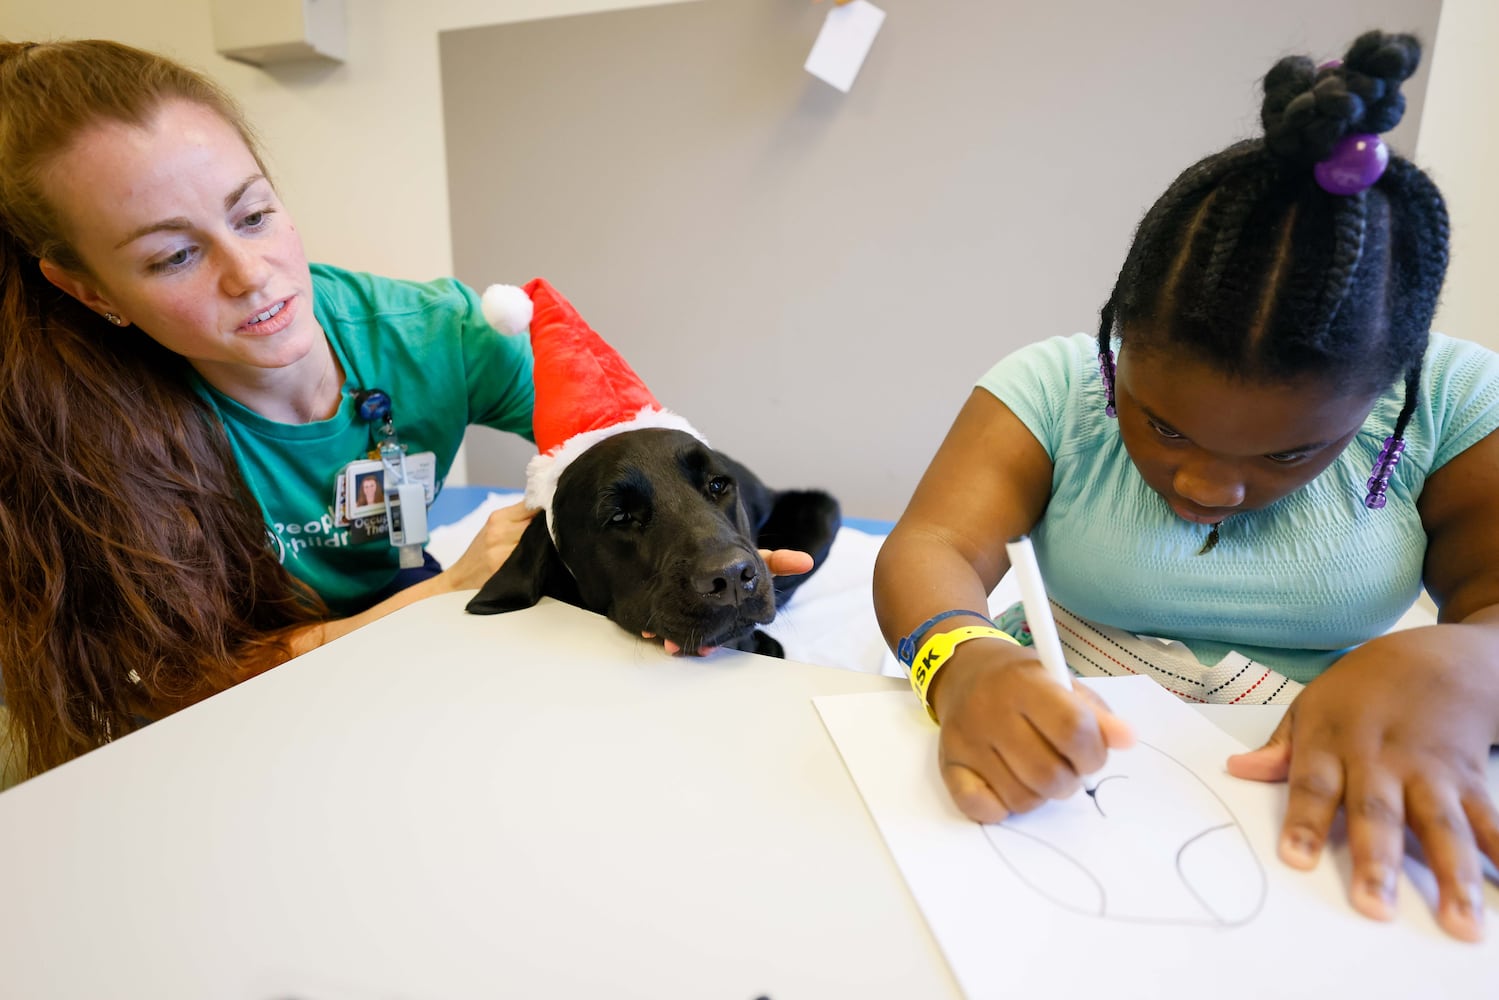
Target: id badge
<point>367,529</point>
<point>359,500</point>
<point>340,508</point>
<point>422,468</point>
<point>366,497</point>
<point>406,509</point>
<point>365,484</point>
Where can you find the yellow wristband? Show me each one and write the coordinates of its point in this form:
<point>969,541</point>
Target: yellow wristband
<point>938,650</point>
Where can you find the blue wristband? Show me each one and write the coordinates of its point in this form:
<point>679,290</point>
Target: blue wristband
<point>905,650</point>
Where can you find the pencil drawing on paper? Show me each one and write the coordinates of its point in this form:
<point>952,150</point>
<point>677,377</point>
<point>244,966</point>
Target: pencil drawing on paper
<point>1151,843</point>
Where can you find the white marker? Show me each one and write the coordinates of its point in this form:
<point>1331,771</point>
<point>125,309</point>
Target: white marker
<point>1045,640</point>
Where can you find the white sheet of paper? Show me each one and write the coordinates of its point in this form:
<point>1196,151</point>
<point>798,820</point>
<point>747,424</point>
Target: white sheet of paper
<point>1164,884</point>
<point>843,42</point>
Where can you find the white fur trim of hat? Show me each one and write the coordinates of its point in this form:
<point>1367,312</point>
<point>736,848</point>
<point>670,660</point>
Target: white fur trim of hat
<point>543,471</point>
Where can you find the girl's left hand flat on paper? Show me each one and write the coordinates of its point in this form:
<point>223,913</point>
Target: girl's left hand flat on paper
<point>1396,734</point>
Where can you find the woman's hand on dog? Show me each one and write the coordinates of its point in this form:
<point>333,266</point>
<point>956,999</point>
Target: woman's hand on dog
<point>786,562</point>
<point>489,549</point>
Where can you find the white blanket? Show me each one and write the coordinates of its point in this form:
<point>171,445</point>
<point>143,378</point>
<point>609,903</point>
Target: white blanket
<point>830,620</point>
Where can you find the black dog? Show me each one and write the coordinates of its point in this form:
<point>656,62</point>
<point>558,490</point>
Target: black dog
<point>661,533</point>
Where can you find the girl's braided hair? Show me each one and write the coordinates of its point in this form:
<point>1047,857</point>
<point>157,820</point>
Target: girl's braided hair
<point>1247,264</point>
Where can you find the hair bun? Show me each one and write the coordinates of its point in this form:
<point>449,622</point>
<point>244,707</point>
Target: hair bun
<point>1308,109</point>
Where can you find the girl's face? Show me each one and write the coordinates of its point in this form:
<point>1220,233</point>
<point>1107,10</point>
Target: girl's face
<point>183,236</point>
<point>1213,446</point>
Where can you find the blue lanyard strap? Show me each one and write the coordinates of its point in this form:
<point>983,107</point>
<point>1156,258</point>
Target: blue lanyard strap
<point>375,409</point>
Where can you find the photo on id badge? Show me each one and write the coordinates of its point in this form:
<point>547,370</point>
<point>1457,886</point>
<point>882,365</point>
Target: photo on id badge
<point>365,488</point>
<point>361,493</point>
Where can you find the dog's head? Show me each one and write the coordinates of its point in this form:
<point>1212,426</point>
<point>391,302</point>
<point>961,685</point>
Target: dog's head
<point>653,529</point>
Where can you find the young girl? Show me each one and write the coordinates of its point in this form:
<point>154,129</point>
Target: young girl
<point>1264,455</point>
<point>180,388</point>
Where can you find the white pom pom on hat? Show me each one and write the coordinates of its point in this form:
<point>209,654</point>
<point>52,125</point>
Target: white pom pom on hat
<point>507,307</point>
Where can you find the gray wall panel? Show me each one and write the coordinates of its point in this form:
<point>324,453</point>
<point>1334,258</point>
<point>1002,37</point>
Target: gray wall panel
<point>816,279</point>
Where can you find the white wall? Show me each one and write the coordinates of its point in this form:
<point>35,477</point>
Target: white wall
<point>811,275</point>
<point>1459,147</point>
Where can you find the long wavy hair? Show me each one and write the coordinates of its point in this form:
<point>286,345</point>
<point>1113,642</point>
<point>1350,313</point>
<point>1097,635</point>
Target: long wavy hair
<point>138,576</point>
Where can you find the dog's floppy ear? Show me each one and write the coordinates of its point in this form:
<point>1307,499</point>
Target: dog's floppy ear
<point>533,571</point>
<point>757,499</point>
<point>806,520</point>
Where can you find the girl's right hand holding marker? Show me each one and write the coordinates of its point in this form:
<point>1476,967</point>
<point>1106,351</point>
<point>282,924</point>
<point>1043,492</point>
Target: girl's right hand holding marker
<point>1012,737</point>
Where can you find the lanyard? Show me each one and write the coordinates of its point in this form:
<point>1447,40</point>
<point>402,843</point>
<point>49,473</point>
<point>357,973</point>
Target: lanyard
<point>405,503</point>
<point>385,444</point>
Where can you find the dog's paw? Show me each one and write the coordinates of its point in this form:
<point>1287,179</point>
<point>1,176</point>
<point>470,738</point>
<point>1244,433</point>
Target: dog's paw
<point>765,645</point>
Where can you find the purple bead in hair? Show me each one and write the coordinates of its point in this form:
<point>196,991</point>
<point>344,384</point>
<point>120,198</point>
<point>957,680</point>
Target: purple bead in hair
<point>1384,467</point>
<point>1356,162</point>
<point>1106,372</point>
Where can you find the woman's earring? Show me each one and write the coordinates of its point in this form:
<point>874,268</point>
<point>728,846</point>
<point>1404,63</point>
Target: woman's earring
<point>116,320</point>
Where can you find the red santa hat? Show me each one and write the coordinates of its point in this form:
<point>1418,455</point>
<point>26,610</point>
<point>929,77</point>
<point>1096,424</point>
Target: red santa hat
<point>585,392</point>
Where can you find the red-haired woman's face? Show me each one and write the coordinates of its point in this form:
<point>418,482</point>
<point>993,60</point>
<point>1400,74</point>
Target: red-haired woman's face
<point>1213,446</point>
<point>184,237</point>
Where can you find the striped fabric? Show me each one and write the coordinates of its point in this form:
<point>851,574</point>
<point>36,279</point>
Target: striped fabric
<point>1095,650</point>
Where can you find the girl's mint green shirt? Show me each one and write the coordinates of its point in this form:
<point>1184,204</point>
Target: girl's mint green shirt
<point>428,345</point>
<point>1293,585</point>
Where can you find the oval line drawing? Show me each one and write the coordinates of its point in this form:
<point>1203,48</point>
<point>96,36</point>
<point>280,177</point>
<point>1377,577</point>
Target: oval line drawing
<point>1158,846</point>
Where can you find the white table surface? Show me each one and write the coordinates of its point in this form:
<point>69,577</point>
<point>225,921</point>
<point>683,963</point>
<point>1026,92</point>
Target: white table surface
<point>441,806</point>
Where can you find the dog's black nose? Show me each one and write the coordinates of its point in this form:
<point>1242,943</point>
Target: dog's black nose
<point>729,584</point>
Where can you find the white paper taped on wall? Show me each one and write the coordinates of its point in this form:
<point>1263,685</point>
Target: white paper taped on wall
<point>844,42</point>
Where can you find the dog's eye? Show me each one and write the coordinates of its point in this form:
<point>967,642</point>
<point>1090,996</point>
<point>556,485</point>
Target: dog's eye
<point>619,518</point>
<point>719,485</point>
